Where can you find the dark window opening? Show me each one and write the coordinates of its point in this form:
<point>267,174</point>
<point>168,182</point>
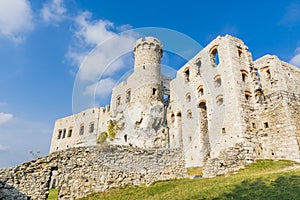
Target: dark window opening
<point>144,67</point>
<point>218,81</point>
<point>244,76</point>
<point>125,138</point>
<point>220,100</point>
<point>253,125</point>
<point>81,130</point>
<point>187,75</point>
<point>190,138</point>
<point>188,97</point>
<point>198,63</point>
<point>178,114</point>
<point>189,114</point>
<point>118,100</point>
<point>200,90</point>
<point>247,95</point>
<point>268,74</point>
<point>154,91</point>
<point>128,96</point>
<point>64,133</point>
<point>59,134</point>
<point>266,125</point>
<point>223,131</point>
<point>70,133</point>
<point>202,105</point>
<point>240,52</point>
<point>92,127</point>
<point>172,117</point>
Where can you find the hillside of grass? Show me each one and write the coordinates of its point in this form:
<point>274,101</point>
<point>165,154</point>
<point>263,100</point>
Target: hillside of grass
<point>263,180</point>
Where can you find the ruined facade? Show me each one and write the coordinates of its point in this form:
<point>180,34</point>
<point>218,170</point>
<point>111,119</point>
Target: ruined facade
<point>221,103</point>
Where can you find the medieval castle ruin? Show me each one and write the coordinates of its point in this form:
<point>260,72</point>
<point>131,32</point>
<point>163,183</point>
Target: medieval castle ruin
<point>219,99</point>
<point>222,111</point>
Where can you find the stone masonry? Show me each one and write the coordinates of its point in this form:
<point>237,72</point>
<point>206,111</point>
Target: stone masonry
<point>220,103</point>
<point>84,170</point>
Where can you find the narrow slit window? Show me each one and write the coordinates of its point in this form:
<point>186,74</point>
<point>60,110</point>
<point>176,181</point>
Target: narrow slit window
<point>92,127</point>
<point>81,130</point>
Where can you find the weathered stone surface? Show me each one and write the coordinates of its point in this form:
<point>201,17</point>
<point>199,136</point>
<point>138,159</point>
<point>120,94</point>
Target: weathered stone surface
<point>84,170</point>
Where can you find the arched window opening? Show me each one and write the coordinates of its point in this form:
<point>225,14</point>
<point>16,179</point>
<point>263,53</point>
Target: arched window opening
<point>247,95</point>
<point>200,90</point>
<point>188,97</point>
<point>92,127</point>
<point>219,100</point>
<point>244,75</point>
<point>125,137</point>
<point>215,57</point>
<point>218,81</point>
<point>70,132</point>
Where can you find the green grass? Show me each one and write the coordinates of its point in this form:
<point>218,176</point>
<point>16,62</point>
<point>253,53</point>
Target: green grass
<point>194,171</point>
<point>53,193</point>
<point>263,180</point>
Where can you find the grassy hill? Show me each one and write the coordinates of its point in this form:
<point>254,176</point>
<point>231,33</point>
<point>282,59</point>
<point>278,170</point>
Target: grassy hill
<point>264,179</point>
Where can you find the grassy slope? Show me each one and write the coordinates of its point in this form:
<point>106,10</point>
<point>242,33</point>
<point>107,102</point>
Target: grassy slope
<point>262,180</point>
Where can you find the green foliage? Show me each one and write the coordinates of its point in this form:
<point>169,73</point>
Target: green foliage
<point>112,129</point>
<point>263,180</point>
<point>53,194</point>
<point>102,138</point>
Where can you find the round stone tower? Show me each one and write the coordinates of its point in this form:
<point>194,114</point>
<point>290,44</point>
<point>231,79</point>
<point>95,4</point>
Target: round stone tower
<point>147,70</point>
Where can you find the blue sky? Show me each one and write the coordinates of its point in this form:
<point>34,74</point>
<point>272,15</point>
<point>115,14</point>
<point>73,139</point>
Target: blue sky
<point>43,43</point>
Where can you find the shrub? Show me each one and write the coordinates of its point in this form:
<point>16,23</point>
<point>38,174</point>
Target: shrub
<point>102,138</point>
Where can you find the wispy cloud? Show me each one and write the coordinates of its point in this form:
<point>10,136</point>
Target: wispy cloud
<point>102,88</point>
<point>296,59</point>
<point>90,33</point>
<point>53,11</point>
<point>15,19</point>
<point>3,148</point>
<point>19,136</point>
<point>291,15</point>
<point>5,117</point>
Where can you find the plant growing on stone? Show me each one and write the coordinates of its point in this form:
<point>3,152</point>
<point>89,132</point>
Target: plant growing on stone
<point>102,138</point>
<point>35,154</point>
<point>112,129</point>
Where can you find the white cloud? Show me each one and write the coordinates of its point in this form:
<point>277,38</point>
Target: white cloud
<point>292,14</point>
<point>19,136</point>
<point>15,19</point>
<point>111,46</point>
<point>53,11</point>
<point>5,117</point>
<point>3,147</point>
<point>102,88</point>
<point>296,59</point>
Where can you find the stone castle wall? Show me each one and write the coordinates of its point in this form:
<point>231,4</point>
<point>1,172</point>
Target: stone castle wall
<point>81,171</point>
